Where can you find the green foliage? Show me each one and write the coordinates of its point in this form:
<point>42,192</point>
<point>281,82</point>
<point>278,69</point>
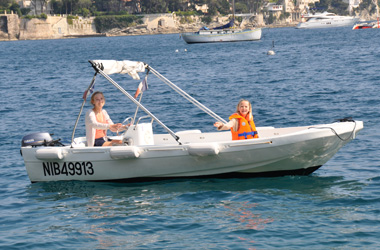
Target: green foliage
<point>4,4</point>
<point>57,6</point>
<point>284,15</point>
<point>218,6</point>
<point>24,11</point>
<point>154,6</point>
<point>186,19</point>
<point>104,23</point>
<point>241,8</point>
<point>187,13</point>
<point>70,19</point>
<point>368,5</point>
<point>336,6</point>
<point>42,16</point>
<point>14,7</point>
<point>207,19</point>
<point>85,12</point>
<point>271,18</point>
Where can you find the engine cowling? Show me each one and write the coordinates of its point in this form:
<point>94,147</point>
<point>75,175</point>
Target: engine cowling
<point>36,139</point>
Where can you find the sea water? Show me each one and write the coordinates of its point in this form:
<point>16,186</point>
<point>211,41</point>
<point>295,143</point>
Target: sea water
<point>316,76</point>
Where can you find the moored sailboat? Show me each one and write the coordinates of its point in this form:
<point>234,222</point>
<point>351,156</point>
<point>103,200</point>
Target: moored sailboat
<point>225,33</point>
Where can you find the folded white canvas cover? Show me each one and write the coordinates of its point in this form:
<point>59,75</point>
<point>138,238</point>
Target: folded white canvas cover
<point>122,67</point>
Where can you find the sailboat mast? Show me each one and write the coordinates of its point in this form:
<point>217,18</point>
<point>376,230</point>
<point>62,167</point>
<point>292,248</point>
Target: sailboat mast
<point>233,9</point>
<point>377,9</point>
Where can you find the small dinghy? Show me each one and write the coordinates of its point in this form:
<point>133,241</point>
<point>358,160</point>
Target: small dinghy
<point>146,156</point>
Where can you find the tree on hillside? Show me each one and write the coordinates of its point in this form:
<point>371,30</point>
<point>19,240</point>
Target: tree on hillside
<point>241,8</point>
<point>218,6</point>
<point>253,6</point>
<point>369,5</point>
<point>4,4</point>
<point>154,6</point>
<point>178,5</point>
<point>336,6</point>
<point>34,4</point>
<point>43,4</point>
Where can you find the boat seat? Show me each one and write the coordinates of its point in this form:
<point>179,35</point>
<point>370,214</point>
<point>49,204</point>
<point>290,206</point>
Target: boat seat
<point>79,142</point>
<point>140,134</point>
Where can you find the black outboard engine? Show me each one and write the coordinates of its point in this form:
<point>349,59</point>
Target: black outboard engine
<point>39,139</point>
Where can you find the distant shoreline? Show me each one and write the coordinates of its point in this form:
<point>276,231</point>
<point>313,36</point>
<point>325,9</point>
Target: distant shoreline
<point>13,28</point>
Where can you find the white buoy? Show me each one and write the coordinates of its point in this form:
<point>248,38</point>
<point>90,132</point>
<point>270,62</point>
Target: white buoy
<point>271,52</point>
<point>185,49</point>
<point>176,50</point>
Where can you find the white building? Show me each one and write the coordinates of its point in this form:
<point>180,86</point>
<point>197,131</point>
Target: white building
<point>274,7</point>
<point>203,8</point>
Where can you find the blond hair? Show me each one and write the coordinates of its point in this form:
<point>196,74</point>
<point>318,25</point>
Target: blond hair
<point>250,117</point>
<point>94,94</point>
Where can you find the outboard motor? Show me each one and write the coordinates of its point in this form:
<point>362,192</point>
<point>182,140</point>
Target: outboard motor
<point>39,139</point>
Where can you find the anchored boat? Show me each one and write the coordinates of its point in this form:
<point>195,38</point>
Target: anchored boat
<point>145,155</point>
<point>325,20</point>
<point>224,33</point>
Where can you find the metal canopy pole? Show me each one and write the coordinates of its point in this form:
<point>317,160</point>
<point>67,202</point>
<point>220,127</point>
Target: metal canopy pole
<point>186,95</point>
<point>81,109</point>
<point>99,70</point>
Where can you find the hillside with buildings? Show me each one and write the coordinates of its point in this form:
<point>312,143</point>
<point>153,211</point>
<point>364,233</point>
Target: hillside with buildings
<point>38,19</point>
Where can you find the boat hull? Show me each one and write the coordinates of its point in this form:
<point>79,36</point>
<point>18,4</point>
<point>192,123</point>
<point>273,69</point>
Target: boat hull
<point>369,25</point>
<point>212,36</point>
<point>276,153</point>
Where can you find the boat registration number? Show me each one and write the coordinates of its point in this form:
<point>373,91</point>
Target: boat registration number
<point>68,168</point>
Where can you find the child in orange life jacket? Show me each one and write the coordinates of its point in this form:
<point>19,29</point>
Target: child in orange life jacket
<point>241,123</point>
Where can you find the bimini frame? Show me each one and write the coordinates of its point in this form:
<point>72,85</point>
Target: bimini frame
<point>98,67</point>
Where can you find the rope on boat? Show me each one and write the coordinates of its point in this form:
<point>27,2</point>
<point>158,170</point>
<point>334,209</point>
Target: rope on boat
<point>186,95</point>
<point>333,130</point>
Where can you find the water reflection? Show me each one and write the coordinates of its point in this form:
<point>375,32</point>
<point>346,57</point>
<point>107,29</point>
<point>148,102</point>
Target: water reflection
<point>127,215</point>
<point>323,188</point>
<point>246,215</point>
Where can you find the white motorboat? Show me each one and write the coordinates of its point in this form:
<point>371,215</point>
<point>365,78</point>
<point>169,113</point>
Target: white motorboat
<point>325,20</point>
<point>222,35</point>
<point>146,156</point>
<point>366,25</point>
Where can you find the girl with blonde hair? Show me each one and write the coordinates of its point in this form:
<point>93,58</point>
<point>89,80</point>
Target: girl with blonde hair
<point>241,123</point>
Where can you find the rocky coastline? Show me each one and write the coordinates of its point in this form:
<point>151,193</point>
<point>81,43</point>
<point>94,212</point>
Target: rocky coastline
<point>56,27</point>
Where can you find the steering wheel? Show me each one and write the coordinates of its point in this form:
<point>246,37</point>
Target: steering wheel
<point>126,124</point>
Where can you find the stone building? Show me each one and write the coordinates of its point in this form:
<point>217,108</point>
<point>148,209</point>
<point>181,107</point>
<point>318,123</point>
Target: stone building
<point>36,7</point>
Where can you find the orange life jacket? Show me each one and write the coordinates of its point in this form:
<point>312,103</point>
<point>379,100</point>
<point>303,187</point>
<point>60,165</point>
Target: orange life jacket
<point>247,129</point>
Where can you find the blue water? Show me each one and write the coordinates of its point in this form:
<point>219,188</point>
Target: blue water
<point>316,76</point>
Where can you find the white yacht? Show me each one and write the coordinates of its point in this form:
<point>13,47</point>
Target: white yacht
<point>325,20</point>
